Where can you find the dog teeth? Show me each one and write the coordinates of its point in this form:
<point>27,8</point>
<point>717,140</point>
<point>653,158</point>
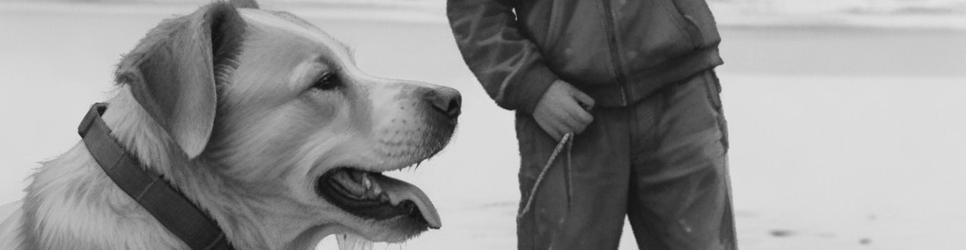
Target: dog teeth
<point>376,190</point>
<point>373,191</point>
<point>366,182</point>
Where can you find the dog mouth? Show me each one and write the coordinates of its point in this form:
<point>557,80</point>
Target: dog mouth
<point>372,195</point>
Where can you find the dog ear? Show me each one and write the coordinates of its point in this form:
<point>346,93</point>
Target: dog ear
<point>249,4</point>
<point>174,70</point>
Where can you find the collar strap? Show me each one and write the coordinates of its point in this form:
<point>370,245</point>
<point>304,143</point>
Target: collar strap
<point>169,206</point>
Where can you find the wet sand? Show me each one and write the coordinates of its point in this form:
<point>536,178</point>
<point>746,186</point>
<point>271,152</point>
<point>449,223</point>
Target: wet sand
<point>842,137</point>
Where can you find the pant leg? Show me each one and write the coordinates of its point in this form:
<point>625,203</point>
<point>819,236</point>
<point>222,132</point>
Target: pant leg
<point>593,219</point>
<point>679,195</point>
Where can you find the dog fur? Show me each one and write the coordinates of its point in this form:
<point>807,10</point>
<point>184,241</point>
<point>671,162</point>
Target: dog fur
<point>225,104</point>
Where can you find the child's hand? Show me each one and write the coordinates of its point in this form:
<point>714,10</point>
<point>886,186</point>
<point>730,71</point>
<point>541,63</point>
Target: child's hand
<point>563,109</point>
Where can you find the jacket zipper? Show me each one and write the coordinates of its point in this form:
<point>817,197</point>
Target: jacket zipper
<point>614,54</point>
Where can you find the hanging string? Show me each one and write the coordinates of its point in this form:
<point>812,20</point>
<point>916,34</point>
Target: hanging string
<point>566,140</point>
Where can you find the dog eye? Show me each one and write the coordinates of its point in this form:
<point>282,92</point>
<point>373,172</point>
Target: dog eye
<point>328,81</point>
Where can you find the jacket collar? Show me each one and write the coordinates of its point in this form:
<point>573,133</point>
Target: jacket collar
<point>168,205</point>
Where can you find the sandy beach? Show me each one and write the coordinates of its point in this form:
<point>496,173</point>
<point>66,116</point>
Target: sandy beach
<point>842,137</point>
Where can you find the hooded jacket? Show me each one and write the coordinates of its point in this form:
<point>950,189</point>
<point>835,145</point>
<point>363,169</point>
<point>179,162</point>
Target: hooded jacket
<point>617,51</point>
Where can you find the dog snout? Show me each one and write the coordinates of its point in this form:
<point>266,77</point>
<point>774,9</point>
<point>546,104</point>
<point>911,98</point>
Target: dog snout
<point>445,100</point>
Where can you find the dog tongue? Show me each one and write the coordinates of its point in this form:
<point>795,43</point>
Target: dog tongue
<point>399,191</point>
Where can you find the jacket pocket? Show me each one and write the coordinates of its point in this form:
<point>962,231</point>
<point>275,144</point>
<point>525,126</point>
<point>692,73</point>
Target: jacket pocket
<point>650,33</point>
<point>697,21</point>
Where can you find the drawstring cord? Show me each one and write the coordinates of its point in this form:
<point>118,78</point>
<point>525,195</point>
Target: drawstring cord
<point>567,140</point>
<point>568,176</point>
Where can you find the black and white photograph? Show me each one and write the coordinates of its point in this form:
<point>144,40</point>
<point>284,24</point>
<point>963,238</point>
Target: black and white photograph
<point>483,124</point>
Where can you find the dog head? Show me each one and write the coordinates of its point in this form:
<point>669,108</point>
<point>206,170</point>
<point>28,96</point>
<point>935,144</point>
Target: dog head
<point>278,112</point>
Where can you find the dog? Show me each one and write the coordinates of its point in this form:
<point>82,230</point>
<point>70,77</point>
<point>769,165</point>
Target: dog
<point>260,119</point>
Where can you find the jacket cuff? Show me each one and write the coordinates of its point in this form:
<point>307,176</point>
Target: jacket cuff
<point>529,89</point>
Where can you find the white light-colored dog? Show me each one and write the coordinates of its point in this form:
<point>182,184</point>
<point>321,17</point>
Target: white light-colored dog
<point>260,119</point>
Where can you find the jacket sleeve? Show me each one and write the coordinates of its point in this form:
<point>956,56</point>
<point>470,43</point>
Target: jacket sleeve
<point>506,62</point>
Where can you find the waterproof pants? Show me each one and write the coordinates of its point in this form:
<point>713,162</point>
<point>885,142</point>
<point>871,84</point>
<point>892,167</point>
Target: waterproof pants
<point>661,161</point>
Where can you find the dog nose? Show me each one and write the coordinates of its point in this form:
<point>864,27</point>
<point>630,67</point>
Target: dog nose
<point>446,100</point>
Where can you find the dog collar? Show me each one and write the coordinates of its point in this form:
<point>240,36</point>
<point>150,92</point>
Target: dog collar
<point>169,206</point>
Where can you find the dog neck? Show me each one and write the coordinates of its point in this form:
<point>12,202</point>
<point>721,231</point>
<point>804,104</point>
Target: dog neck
<point>71,203</point>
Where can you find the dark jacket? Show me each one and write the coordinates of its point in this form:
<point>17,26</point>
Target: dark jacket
<point>617,51</point>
